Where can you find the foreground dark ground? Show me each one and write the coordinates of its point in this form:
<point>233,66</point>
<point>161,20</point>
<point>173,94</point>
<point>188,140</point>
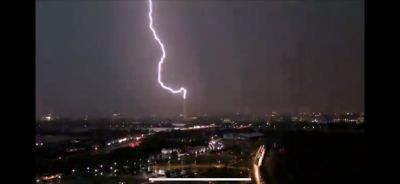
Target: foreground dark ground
<point>315,157</point>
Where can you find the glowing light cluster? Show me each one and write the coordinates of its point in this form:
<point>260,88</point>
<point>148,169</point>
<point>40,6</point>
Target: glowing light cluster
<point>257,164</point>
<point>181,89</point>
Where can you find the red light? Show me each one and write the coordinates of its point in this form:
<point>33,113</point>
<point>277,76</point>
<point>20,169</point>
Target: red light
<point>134,144</point>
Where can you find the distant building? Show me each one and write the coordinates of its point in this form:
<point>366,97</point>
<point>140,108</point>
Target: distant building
<point>161,129</point>
<point>178,124</point>
<point>169,153</point>
<point>47,118</point>
<point>242,136</point>
<point>227,120</point>
<point>196,149</point>
<point>166,151</point>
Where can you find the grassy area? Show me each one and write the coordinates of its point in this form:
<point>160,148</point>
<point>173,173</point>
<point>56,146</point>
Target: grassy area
<point>223,173</point>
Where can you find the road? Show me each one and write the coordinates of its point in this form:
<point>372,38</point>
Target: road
<point>179,166</point>
<point>106,149</point>
<point>257,163</point>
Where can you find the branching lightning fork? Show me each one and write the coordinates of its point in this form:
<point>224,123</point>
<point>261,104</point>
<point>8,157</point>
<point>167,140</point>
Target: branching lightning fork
<point>181,89</point>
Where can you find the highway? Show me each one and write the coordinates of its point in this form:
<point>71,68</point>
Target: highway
<point>257,163</point>
<point>180,166</point>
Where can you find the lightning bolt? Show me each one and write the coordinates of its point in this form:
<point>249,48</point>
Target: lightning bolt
<point>160,63</point>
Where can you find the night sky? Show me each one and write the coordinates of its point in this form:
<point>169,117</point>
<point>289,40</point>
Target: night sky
<point>99,57</point>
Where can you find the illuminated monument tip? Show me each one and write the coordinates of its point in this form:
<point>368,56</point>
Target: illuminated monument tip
<point>181,89</point>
